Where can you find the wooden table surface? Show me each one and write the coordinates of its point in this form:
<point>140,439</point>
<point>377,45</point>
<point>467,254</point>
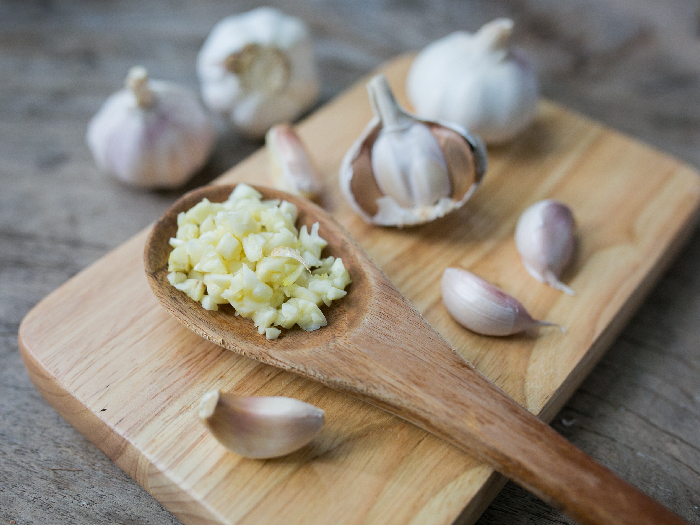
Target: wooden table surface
<point>632,65</point>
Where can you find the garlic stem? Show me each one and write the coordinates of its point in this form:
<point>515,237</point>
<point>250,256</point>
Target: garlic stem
<point>137,82</point>
<point>495,34</point>
<point>385,105</point>
<point>260,427</point>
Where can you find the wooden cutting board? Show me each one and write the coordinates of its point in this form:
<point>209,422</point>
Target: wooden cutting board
<point>114,363</point>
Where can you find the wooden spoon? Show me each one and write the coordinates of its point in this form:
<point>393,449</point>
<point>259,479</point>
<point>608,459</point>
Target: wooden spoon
<point>379,348</point>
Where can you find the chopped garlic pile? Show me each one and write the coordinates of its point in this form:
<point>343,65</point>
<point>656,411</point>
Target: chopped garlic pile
<point>222,254</point>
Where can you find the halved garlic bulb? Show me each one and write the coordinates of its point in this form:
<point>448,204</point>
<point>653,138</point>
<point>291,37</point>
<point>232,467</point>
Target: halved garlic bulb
<point>152,133</point>
<point>544,237</point>
<point>260,427</point>
<point>403,170</point>
<point>482,307</point>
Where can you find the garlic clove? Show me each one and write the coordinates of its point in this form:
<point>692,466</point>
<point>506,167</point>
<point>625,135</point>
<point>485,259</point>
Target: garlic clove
<point>403,170</point>
<point>260,427</point>
<point>478,81</point>
<point>151,134</point>
<point>258,69</point>
<point>411,175</point>
<point>291,166</point>
<point>545,239</point>
<point>482,307</point>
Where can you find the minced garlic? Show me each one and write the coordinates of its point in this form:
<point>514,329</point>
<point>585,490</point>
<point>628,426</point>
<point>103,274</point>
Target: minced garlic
<point>223,254</point>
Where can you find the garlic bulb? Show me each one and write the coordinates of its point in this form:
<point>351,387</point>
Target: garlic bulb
<point>260,427</point>
<point>151,134</point>
<point>477,81</point>
<point>292,168</point>
<point>482,307</point>
<point>403,170</point>
<point>544,237</point>
<point>258,69</point>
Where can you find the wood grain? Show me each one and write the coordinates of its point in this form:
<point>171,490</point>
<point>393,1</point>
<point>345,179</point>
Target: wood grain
<point>147,372</point>
<point>378,348</point>
<point>630,64</point>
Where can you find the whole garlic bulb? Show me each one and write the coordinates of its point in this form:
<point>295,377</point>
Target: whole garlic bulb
<point>258,69</point>
<point>476,80</point>
<point>151,134</point>
<point>403,170</point>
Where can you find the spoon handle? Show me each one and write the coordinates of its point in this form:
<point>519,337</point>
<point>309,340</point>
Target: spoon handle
<point>466,409</point>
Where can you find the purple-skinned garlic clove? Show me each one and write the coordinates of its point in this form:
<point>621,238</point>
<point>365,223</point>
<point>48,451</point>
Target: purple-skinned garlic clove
<point>545,240</point>
<point>484,308</point>
<point>260,427</point>
<point>291,166</point>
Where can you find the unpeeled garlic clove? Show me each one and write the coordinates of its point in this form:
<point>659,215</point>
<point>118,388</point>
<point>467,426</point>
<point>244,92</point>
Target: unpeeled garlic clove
<point>152,134</point>
<point>403,170</point>
<point>291,166</point>
<point>260,427</point>
<point>545,239</point>
<point>482,307</point>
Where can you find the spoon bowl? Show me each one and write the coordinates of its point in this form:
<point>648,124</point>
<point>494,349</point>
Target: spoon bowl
<point>237,333</point>
<point>377,347</point>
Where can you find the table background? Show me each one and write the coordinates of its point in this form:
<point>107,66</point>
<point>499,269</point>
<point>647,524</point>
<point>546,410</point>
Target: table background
<point>634,65</point>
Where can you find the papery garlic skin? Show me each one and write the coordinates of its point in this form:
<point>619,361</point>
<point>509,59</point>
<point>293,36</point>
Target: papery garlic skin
<point>482,307</point>
<point>545,239</point>
<point>258,69</point>
<point>260,427</point>
<point>404,171</point>
<point>151,134</point>
<point>476,80</point>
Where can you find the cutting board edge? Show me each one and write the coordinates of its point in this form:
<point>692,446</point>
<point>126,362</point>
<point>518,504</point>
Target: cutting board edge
<point>84,416</point>
<point>629,309</point>
<point>140,467</point>
<point>127,456</point>
<point>482,499</point>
